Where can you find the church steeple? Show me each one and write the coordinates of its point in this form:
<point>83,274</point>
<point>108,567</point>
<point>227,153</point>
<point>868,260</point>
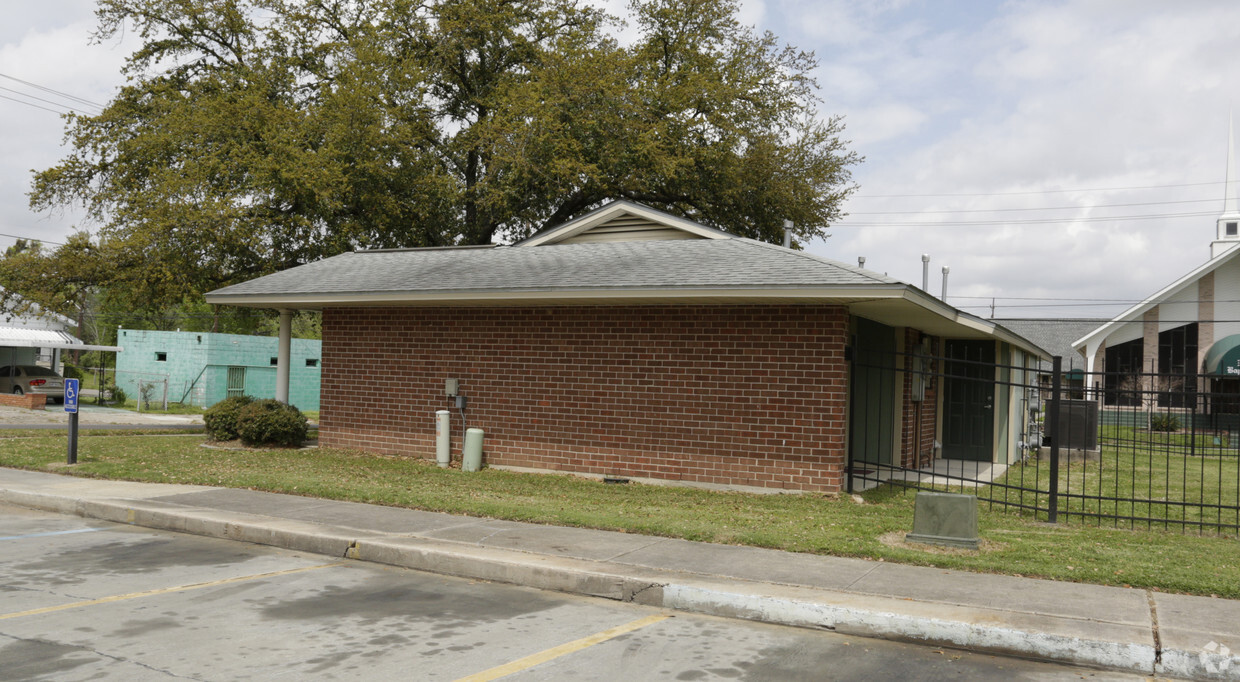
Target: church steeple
<point>1227,233</point>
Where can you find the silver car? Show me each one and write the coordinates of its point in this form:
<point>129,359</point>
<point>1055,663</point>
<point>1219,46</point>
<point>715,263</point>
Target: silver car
<point>23,379</point>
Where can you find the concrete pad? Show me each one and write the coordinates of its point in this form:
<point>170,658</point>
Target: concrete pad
<point>1075,623</point>
<point>1105,645</point>
<point>237,499</point>
<point>750,563</point>
<point>1200,636</point>
<point>37,481</point>
<point>532,570</point>
<point>1044,597</point>
<point>579,543</point>
<point>379,518</point>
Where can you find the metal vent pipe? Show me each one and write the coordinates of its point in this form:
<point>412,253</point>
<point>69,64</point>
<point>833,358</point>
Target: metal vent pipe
<point>945,271</point>
<point>925,272</point>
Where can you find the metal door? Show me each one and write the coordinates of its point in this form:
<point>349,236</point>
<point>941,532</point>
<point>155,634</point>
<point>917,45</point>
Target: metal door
<point>969,401</point>
<point>872,410</point>
<point>236,381</point>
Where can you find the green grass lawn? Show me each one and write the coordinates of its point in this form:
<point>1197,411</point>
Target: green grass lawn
<point>1131,479</point>
<point>834,525</point>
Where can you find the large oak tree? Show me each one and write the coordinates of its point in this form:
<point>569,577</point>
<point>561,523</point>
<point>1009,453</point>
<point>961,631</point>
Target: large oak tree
<point>255,135</point>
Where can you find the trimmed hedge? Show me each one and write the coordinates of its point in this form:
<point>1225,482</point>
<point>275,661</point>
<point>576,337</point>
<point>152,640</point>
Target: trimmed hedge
<point>221,418</point>
<point>271,422</point>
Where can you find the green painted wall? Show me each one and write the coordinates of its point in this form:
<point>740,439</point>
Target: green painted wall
<point>196,365</point>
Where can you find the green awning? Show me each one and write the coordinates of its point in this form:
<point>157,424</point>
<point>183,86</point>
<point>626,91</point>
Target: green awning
<point>1224,357</point>
<point>1074,375</point>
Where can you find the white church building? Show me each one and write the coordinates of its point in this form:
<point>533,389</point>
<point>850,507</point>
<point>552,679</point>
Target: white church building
<point>1183,340</point>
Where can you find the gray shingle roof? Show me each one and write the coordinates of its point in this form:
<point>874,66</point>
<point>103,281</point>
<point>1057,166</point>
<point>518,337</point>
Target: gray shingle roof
<point>1055,335</point>
<point>692,263</point>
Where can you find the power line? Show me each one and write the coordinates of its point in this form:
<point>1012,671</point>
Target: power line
<point>1026,221</point>
<point>1044,191</point>
<point>53,92</point>
<point>22,94</point>
<point>1042,208</point>
<point>36,106</point>
<point>33,239</point>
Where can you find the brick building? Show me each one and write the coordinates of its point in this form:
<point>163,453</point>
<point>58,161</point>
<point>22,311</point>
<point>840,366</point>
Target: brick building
<point>630,343</point>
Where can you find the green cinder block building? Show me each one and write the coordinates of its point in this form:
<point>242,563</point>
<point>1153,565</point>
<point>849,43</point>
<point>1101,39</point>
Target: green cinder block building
<point>201,368</point>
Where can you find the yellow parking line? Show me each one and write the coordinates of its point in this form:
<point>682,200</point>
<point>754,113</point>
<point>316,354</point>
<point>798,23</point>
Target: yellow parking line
<point>163,590</point>
<point>544,656</point>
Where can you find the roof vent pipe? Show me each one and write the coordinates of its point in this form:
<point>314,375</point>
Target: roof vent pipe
<point>945,271</point>
<point>787,234</point>
<point>925,272</point>
<point>861,261</point>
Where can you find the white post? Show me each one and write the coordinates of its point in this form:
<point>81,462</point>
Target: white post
<point>282,358</point>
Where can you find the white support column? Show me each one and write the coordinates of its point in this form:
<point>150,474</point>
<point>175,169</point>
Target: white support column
<point>282,359</point>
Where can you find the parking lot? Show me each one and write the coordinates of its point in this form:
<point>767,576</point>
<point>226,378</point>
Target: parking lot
<point>84,599</point>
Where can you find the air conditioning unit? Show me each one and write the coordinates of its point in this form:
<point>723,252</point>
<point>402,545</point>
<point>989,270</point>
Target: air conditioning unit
<point>1078,424</point>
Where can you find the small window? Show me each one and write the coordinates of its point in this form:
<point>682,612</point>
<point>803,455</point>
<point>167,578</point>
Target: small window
<point>310,362</point>
<point>161,356</point>
<point>275,361</point>
<point>1231,229</point>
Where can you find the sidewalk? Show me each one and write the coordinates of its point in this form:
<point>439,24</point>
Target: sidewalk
<point>1124,629</point>
<point>94,416</point>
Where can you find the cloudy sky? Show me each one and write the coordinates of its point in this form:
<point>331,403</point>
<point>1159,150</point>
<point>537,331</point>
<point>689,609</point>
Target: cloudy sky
<point>1056,155</point>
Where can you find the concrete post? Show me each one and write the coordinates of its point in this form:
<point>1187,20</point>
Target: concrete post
<point>282,359</point>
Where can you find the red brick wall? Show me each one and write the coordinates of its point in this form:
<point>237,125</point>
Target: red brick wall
<point>745,395</point>
<point>31,401</point>
<point>920,419</point>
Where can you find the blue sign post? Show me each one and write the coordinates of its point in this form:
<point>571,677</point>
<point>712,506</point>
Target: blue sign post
<point>71,395</point>
<point>71,406</point>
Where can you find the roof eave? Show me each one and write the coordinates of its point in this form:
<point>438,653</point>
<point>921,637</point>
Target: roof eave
<point>807,294</point>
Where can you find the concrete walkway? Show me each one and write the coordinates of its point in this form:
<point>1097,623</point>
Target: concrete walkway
<point>93,416</point>
<point>1124,629</point>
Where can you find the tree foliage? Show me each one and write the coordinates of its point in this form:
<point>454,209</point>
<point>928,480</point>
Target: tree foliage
<point>256,135</point>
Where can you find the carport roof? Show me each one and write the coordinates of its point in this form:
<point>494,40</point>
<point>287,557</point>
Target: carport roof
<point>24,337</point>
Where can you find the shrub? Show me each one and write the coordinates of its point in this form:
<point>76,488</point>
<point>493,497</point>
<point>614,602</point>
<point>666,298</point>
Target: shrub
<point>1164,422</point>
<point>116,394</point>
<point>70,372</point>
<point>146,393</point>
<point>221,418</point>
<point>271,422</point>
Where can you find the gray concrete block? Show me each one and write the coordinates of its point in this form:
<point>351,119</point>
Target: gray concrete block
<point>948,519</point>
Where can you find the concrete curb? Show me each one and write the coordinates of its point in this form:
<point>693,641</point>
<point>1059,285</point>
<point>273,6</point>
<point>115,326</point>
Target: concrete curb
<point>1090,643</point>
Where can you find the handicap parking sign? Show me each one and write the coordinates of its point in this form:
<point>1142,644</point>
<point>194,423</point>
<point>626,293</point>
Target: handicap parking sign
<point>71,395</point>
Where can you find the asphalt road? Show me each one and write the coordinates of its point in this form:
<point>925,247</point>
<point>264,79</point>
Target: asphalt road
<point>83,599</point>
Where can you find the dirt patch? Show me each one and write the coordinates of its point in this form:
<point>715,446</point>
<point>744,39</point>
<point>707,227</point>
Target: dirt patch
<point>896,539</point>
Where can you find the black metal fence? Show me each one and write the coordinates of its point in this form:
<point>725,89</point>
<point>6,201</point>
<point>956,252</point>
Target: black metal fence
<point>1132,450</point>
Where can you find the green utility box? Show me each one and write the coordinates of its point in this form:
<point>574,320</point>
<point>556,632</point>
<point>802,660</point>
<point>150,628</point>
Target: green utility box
<point>948,519</point>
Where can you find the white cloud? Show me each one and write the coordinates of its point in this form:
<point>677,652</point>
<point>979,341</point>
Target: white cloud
<point>1046,97</point>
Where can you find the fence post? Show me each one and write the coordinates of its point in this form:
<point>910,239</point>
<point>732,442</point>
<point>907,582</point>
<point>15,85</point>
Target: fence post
<point>1052,429</point>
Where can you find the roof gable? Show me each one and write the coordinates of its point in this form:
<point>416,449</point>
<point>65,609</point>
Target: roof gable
<point>621,221</point>
<point>1136,312</point>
